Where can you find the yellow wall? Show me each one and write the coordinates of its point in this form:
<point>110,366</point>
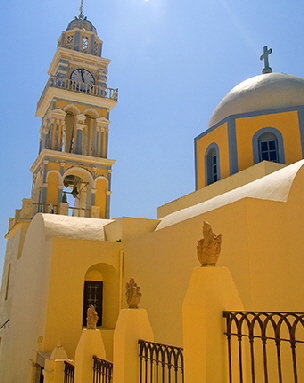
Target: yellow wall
<point>48,297</point>
<point>52,189</point>
<point>287,123</point>
<point>262,246</point>
<point>101,196</point>
<point>60,104</point>
<point>71,260</point>
<point>220,137</point>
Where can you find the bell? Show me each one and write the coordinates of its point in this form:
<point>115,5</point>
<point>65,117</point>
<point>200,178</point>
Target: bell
<point>75,191</point>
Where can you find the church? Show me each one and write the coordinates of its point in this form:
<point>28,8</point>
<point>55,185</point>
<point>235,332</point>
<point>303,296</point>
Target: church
<point>64,252</point>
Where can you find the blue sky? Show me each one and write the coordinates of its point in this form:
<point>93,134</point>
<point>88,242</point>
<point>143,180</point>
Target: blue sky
<point>172,62</point>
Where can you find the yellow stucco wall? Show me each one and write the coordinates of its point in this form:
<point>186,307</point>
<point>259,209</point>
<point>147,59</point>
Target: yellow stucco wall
<point>262,246</point>
<point>52,189</point>
<point>48,297</point>
<point>287,123</point>
<point>61,104</point>
<point>101,196</point>
<point>220,137</point>
<point>71,260</point>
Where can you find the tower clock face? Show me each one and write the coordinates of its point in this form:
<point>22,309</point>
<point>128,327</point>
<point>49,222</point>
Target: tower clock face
<point>83,75</point>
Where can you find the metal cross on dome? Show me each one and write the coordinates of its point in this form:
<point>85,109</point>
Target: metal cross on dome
<point>266,53</point>
<point>81,9</point>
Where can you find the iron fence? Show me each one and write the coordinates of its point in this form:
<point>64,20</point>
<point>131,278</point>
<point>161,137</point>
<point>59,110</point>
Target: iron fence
<point>102,370</point>
<point>265,346</point>
<point>68,372</point>
<point>160,363</point>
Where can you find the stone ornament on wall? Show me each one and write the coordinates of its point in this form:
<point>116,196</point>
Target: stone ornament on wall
<point>92,318</point>
<point>209,247</point>
<point>133,294</point>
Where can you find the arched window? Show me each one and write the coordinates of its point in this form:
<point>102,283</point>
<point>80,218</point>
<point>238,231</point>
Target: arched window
<point>268,146</point>
<point>93,293</point>
<point>212,164</point>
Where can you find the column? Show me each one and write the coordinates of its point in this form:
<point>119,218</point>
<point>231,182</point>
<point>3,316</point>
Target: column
<point>61,131</point>
<point>57,118</point>
<point>52,133</point>
<point>61,186</point>
<point>43,132</point>
<point>102,141</point>
<point>44,186</point>
<point>93,196</point>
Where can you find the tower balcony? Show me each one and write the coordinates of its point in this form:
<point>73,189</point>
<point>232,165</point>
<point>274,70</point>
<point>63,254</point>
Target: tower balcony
<point>79,87</point>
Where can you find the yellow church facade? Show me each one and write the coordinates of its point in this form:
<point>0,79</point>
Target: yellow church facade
<point>250,178</point>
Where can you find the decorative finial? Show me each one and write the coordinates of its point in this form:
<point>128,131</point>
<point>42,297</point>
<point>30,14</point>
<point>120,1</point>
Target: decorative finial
<point>209,248</point>
<point>81,10</point>
<point>133,294</point>
<point>92,318</point>
<point>266,53</point>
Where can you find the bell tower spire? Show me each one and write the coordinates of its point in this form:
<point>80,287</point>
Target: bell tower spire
<point>72,171</point>
<point>81,10</point>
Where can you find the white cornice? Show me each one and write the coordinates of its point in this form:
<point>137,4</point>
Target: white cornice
<point>74,97</point>
<point>74,57</point>
<point>65,157</point>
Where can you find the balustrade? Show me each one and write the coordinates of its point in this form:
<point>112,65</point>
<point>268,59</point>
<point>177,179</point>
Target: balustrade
<point>268,346</point>
<point>78,86</point>
<point>102,370</point>
<point>68,372</point>
<point>160,363</point>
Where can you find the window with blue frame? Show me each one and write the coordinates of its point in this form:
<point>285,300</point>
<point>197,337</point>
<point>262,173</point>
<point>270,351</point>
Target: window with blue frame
<point>268,146</point>
<point>212,165</point>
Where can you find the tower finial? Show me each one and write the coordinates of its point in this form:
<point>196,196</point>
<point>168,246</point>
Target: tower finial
<point>81,10</point>
<point>266,53</point>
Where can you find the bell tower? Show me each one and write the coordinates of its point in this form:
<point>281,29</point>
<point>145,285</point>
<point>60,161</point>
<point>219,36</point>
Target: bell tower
<point>72,170</point>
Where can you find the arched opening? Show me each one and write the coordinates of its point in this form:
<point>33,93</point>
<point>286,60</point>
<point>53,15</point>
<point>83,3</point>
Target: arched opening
<point>102,284</point>
<point>93,294</point>
<point>212,164</point>
<point>77,192</point>
<point>268,146</point>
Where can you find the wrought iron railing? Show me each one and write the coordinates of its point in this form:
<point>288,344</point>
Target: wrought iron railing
<point>78,86</point>
<point>160,363</point>
<point>102,370</point>
<point>68,372</point>
<point>267,347</point>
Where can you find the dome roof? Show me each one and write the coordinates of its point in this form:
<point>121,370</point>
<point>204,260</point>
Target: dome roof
<point>81,22</point>
<point>267,91</point>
